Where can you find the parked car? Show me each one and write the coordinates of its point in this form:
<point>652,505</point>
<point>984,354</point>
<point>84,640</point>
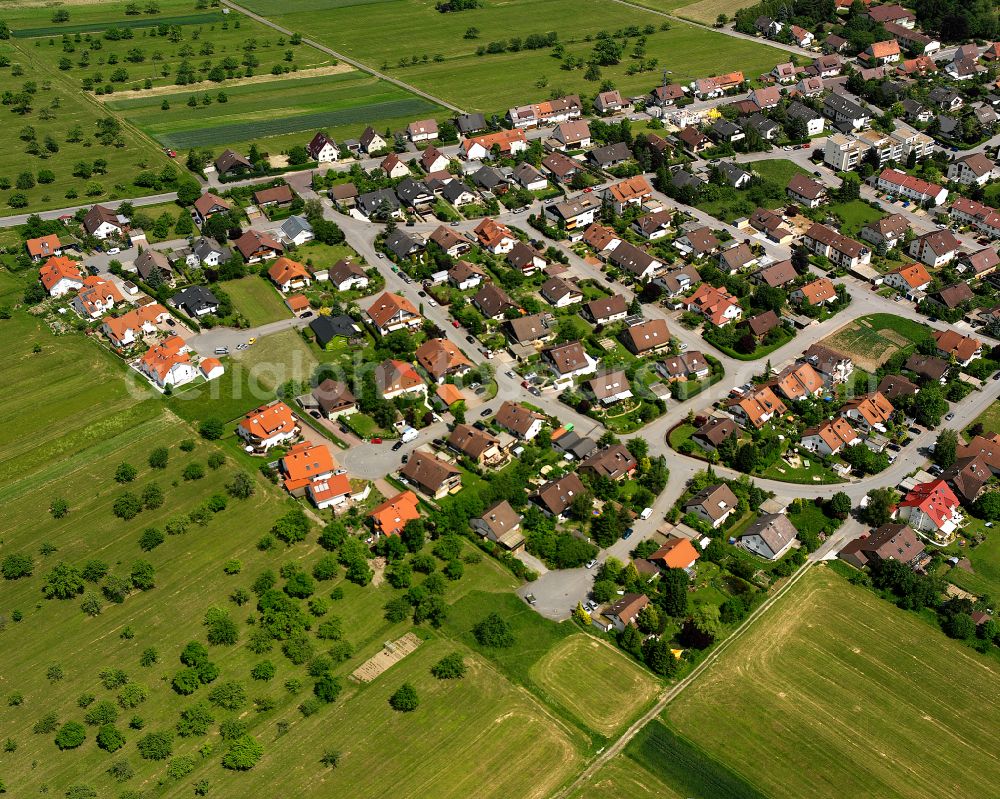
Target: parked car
<point>486,412</point>
<point>530,599</point>
<point>628,533</point>
<point>591,564</point>
<point>454,323</point>
<point>470,339</point>
<point>949,417</point>
<point>397,446</point>
<point>376,440</point>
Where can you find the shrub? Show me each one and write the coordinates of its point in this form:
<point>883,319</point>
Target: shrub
<point>158,458</point>
<point>193,471</point>
<point>148,657</point>
<point>243,754</point>
<point>113,678</point>
<point>405,699</point>
<point>152,497</point>
<point>155,745</point>
<point>17,565</point>
<point>180,767</point>
<point>126,473</point>
<point>127,506</point>
<point>71,735</point>
<point>187,445</point>
<point>150,539</point>
<point>121,771</point>
<point>195,720</point>
<point>133,694</point>
<point>110,738</point>
<point>46,724</point>
<point>263,671</point>
<point>240,486</point>
<point>212,429</point>
<point>450,667</point>
<point>494,632</point>
<point>104,712</point>
<point>186,681</point>
<point>59,508</point>
<point>215,460</point>
<point>228,695</point>
<point>231,729</point>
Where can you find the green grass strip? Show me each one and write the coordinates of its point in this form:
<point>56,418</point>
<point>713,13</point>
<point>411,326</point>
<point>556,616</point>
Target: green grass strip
<point>144,22</point>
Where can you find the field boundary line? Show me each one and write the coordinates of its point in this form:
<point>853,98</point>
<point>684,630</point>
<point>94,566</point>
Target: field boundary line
<point>347,59</point>
<point>619,745</point>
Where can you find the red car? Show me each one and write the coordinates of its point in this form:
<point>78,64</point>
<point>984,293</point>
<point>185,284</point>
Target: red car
<point>587,190</point>
<point>376,440</point>
<point>454,323</point>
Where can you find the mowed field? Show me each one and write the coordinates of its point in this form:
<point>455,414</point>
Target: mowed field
<point>57,131</point>
<point>396,29</point>
<point>837,693</point>
<point>276,114</point>
<point>257,300</point>
<point>237,44</point>
<point>618,687</point>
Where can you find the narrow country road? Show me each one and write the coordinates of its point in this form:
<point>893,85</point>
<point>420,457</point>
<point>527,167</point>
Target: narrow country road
<point>341,57</point>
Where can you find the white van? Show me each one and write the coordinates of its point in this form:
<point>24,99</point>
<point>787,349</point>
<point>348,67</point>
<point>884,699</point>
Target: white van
<point>646,513</point>
<point>409,434</point>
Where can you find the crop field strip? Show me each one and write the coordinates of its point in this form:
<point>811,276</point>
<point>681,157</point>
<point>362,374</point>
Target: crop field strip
<point>127,22</point>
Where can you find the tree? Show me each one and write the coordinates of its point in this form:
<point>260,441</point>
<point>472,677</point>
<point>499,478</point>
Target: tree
<point>150,539</point>
<point>945,448</point>
<point>71,735</point>
<point>109,738</point>
<point>292,527</point>
<point>673,596</point>
<point>62,582</point>
<point>961,626</point>
<point>17,565</point>
<point>840,505</point>
<point>59,508</point>
<point>127,506</point>
<point>241,486</point>
<point>988,506</point>
<point>405,700</point>
<point>494,631</point>
<point>327,688</point>
<point>212,429</point>
<point>929,405</point>
<point>243,754</point>
<point>450,667</point>
<point>705,619</point>
<point>648,620</point>
<point>158,458</point>
<point>878,510</point>
<point>413,536</point>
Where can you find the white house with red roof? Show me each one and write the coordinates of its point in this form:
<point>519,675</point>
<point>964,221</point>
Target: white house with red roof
<point>168,363</point>
<point>123,331</point>
<point>96,297</point>
<point>268,426</point>
<point>932,509</point>
<point>323,148</point>
<point>717,305</point>
<point>60,275</point>
<point>900,184</point>
<point>44,247</point>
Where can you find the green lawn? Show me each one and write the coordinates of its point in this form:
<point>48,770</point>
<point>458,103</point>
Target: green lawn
<point>989,419</point>
<point>813,474</point>
<point>853,216</point>
<point>809,518</point>
<point>320,255</point>
<point>276,114</point>
<point>257,300</point>
<point>984,579</point>
<point>777,171</point>
<point>873,339</point>
<point>494,82</point>
<point>847,688</point>
<point>571,669</point>
<point>680,434</point>
<point>731,204</point>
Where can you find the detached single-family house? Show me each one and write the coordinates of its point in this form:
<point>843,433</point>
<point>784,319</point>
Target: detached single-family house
<point>334,399</point>
<point>256,246</point>
<point>395,378</point>
<point>806,191</point>
<point>442,359</point>
<point>208,205</point>
<point>869,413</point>
<point>830,437</point>
<point>195,301</point>
<point>231,162</point>
<point>605,310</point>
<point>494,236</point>
<point>572,135</point>
<point>936,248</point>
<point>560,293</point>
<point>96,297</point>
<point>646,338</point>
<point>422,130</point>
<point>952,344</point>
<point>556,496</point>
<point>168,363</point>
<point>818,292</point>
<point>392,516</point>
<point>569,361</point>
<point>717,305</point>
<point>392,312</point>
<point>44,247</point>
<point>933,509</point>
<point>502,525</point>
<point>519,421</point>
<point>434,477</point>
<point>323,149</point>
<point>911,280</point>
<point>713,504</point>
<point>103,223</point>
<point>770,536</point>
<point>289,275</point>
<point>610,388</point>
<point>59,275</point>
<point>123,331</point>
<point>346,275</point>
<point>268,426</point>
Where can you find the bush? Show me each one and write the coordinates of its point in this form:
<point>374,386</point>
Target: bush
<point>133,694</point>
<point>215,460</point>
<point>110,738</point>
<point>292,527</point>
<point>212,429</point>
<point>228,695</point>
<point>243,754</point>
<point>405,699</point>
<point>150,539</point>
<point>494,632</point>
<point>127,506</point>
<point>298,649</point>
<point>59,508</point>
<point>113,678</point>
<point>327,688</point>
<point>17,565</point>
<point>126,473</point>
<point>71,735</point>
<point>155,745</point>
<point>450,667</point>
<point>193,471</point>
<point>104,712</point>
<point>241,486</point>
<point>158,458</point>
<point>152,497</point>
<point>186,681</point>
<point>263,671</point>
<point>121,771</point>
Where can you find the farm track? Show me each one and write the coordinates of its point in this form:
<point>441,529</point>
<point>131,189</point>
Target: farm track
<point>340,56</point>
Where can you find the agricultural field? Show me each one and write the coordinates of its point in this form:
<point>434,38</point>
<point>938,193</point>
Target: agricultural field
<point>570,672</point>
<point>705,12</point>
<point>59,147</point>
<point>858,698</point>
<point>275,114</point>
<point>448,67</point>
<point>872,340</point>
<point>257,300</point>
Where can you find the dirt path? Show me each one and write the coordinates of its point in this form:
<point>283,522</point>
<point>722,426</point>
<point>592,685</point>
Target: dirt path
<point>205,85</point>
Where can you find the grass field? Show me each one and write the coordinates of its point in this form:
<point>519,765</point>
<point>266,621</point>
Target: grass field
<point>207,41</point>
<point>44,138</point>
<point>837,693</point>
<point>854,215</point>
<point>872,340</point>
<point>397,29</point>
<point>257,300</point>
<point>731,204</point>
<point>572,671</point>
<point>989,419</point>
<point>704,11</point>
<point>276,114</point>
